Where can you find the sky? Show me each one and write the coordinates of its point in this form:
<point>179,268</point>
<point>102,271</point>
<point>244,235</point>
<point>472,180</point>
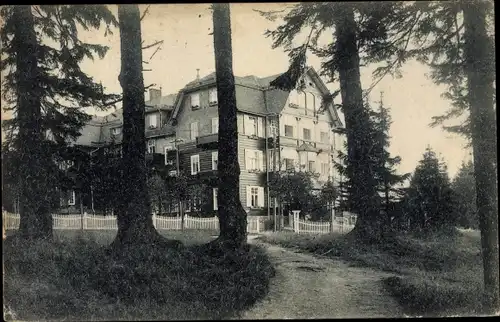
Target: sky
<point>188,46</point>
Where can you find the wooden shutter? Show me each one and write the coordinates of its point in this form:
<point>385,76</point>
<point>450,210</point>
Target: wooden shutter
<point>216,205</point>
<point>260,127</point>
<point>249,196</point>
<point>260,197</point>
<point>246,125</point>
<point>247,159</point>
<point>261,161</point>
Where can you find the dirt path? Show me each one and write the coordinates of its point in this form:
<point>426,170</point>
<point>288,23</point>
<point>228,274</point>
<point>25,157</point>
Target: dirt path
<point>309,287</point>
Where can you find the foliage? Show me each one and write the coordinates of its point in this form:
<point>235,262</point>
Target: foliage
<point>430,197</point>
<point>464,186</point>
<point>58,91</point>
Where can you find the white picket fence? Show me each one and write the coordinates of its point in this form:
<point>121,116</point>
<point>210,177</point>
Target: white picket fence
<point>90,222</point>
<point>310,227</point>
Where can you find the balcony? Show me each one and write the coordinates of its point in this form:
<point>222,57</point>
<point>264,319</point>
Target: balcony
<point>209,141</point>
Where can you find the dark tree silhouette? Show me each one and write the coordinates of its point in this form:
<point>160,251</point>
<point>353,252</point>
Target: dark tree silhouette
<point>232,216</point>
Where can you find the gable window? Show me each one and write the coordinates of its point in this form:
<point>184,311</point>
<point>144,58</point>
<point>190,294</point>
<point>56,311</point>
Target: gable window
<point>215,125</point>
<point>215,194</point>
<point>195,101</point>
<point>213,96</point>
<point>306,134</point>
<point>215,159</point>
<point>294,99</point>
<point>195,164</point>
<point>153,118</point>
<point>302,99</point>
<point>255,196</point>
<point>311,102</point>
<point>151,146</point>
<point>289,131</point>
<point>116,130</point>
<point>324,137</point>
<point>194,130</point>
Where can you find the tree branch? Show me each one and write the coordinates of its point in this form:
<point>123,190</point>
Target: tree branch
<point>145,12</point>
<point>153,44</point>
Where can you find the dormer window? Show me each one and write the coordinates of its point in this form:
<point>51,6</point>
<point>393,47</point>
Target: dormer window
<point>212,97</point>
<point>116,131</point>
<point>195,101</point>
<point>153,121</point>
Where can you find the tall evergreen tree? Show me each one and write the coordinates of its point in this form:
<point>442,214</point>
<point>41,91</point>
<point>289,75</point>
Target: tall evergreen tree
<point>232,216</point>
<point>135,224</point>
<point>464,186</point>
<point>46,90</point>
<point>431,198</point>
<point>358,29</point>
<point>385,166</point>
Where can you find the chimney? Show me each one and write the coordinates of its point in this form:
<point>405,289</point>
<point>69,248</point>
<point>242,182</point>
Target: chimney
<point>197,74</point>
<point>154,94</point>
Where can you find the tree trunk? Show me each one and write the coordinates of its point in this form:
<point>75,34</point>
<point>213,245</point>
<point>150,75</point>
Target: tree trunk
<point>480,77</point>
<point>232,216</point>
<point>363,192</point>
<point>35,218</point>
<point>135,222</point>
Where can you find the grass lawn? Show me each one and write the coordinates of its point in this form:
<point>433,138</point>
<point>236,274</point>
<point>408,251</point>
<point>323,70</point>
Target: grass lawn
<point>434,276</point>
<point>72,278</point>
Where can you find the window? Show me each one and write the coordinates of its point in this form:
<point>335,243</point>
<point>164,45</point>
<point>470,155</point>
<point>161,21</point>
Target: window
<point>71,198</point>
<point>213,96</point>
<point>215,124</point>
<point>311,102</point>
<point>289,164</point>
<point>302,99</point>
<point>252,124</point>
<point>311,166</point>
<point>324,137</point>
<point>294,99</point>
<point>151,146</point>
<point>168,148</point>
<point>195,100</point>
<point>289,131</point>
<point>194,130</point>
<point>116,130</point>
<point>215,160</point>
<point>153,121</point>
<point>254,159</point>
<point>325,170</point>
<point>195,164</point>
<point>255,196</point>
<point>306,134</point>
<point>215,194</point>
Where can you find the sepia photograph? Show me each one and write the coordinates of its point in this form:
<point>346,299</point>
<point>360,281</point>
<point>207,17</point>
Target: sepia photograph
<point>249,161</point>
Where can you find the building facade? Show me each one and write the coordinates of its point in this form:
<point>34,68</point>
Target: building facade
<point>277,130</point>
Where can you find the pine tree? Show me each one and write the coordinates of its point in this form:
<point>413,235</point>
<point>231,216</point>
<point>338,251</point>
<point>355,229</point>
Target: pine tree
<point>464,186</point>
<point>385,171</point>
<point>431,198</point>
<point>46,90</point>
<point>358,29</point>
<point>232,216</point>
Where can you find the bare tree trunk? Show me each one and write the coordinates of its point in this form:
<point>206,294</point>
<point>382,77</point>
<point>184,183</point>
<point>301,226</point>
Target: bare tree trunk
<point>232,216</point>
<point>363,192</point>
<point>480,76</point>
<point>135,223</point>
<point>35,218</point>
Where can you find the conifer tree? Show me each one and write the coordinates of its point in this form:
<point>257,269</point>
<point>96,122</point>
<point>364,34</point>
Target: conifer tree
<point>464,186</point>
<point>46,90</point>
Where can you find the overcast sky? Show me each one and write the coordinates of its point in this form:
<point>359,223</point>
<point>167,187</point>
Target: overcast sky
<point>188,45</point>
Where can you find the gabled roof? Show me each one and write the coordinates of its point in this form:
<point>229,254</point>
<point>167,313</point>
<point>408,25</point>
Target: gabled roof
<point>166,101</point>
<point>307,147</point>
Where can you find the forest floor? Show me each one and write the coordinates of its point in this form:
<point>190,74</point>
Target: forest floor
<point>429,276</point>
<point>73,278</point>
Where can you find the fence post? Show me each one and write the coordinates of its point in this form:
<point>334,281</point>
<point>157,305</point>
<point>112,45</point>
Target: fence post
<point>296,220</point>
